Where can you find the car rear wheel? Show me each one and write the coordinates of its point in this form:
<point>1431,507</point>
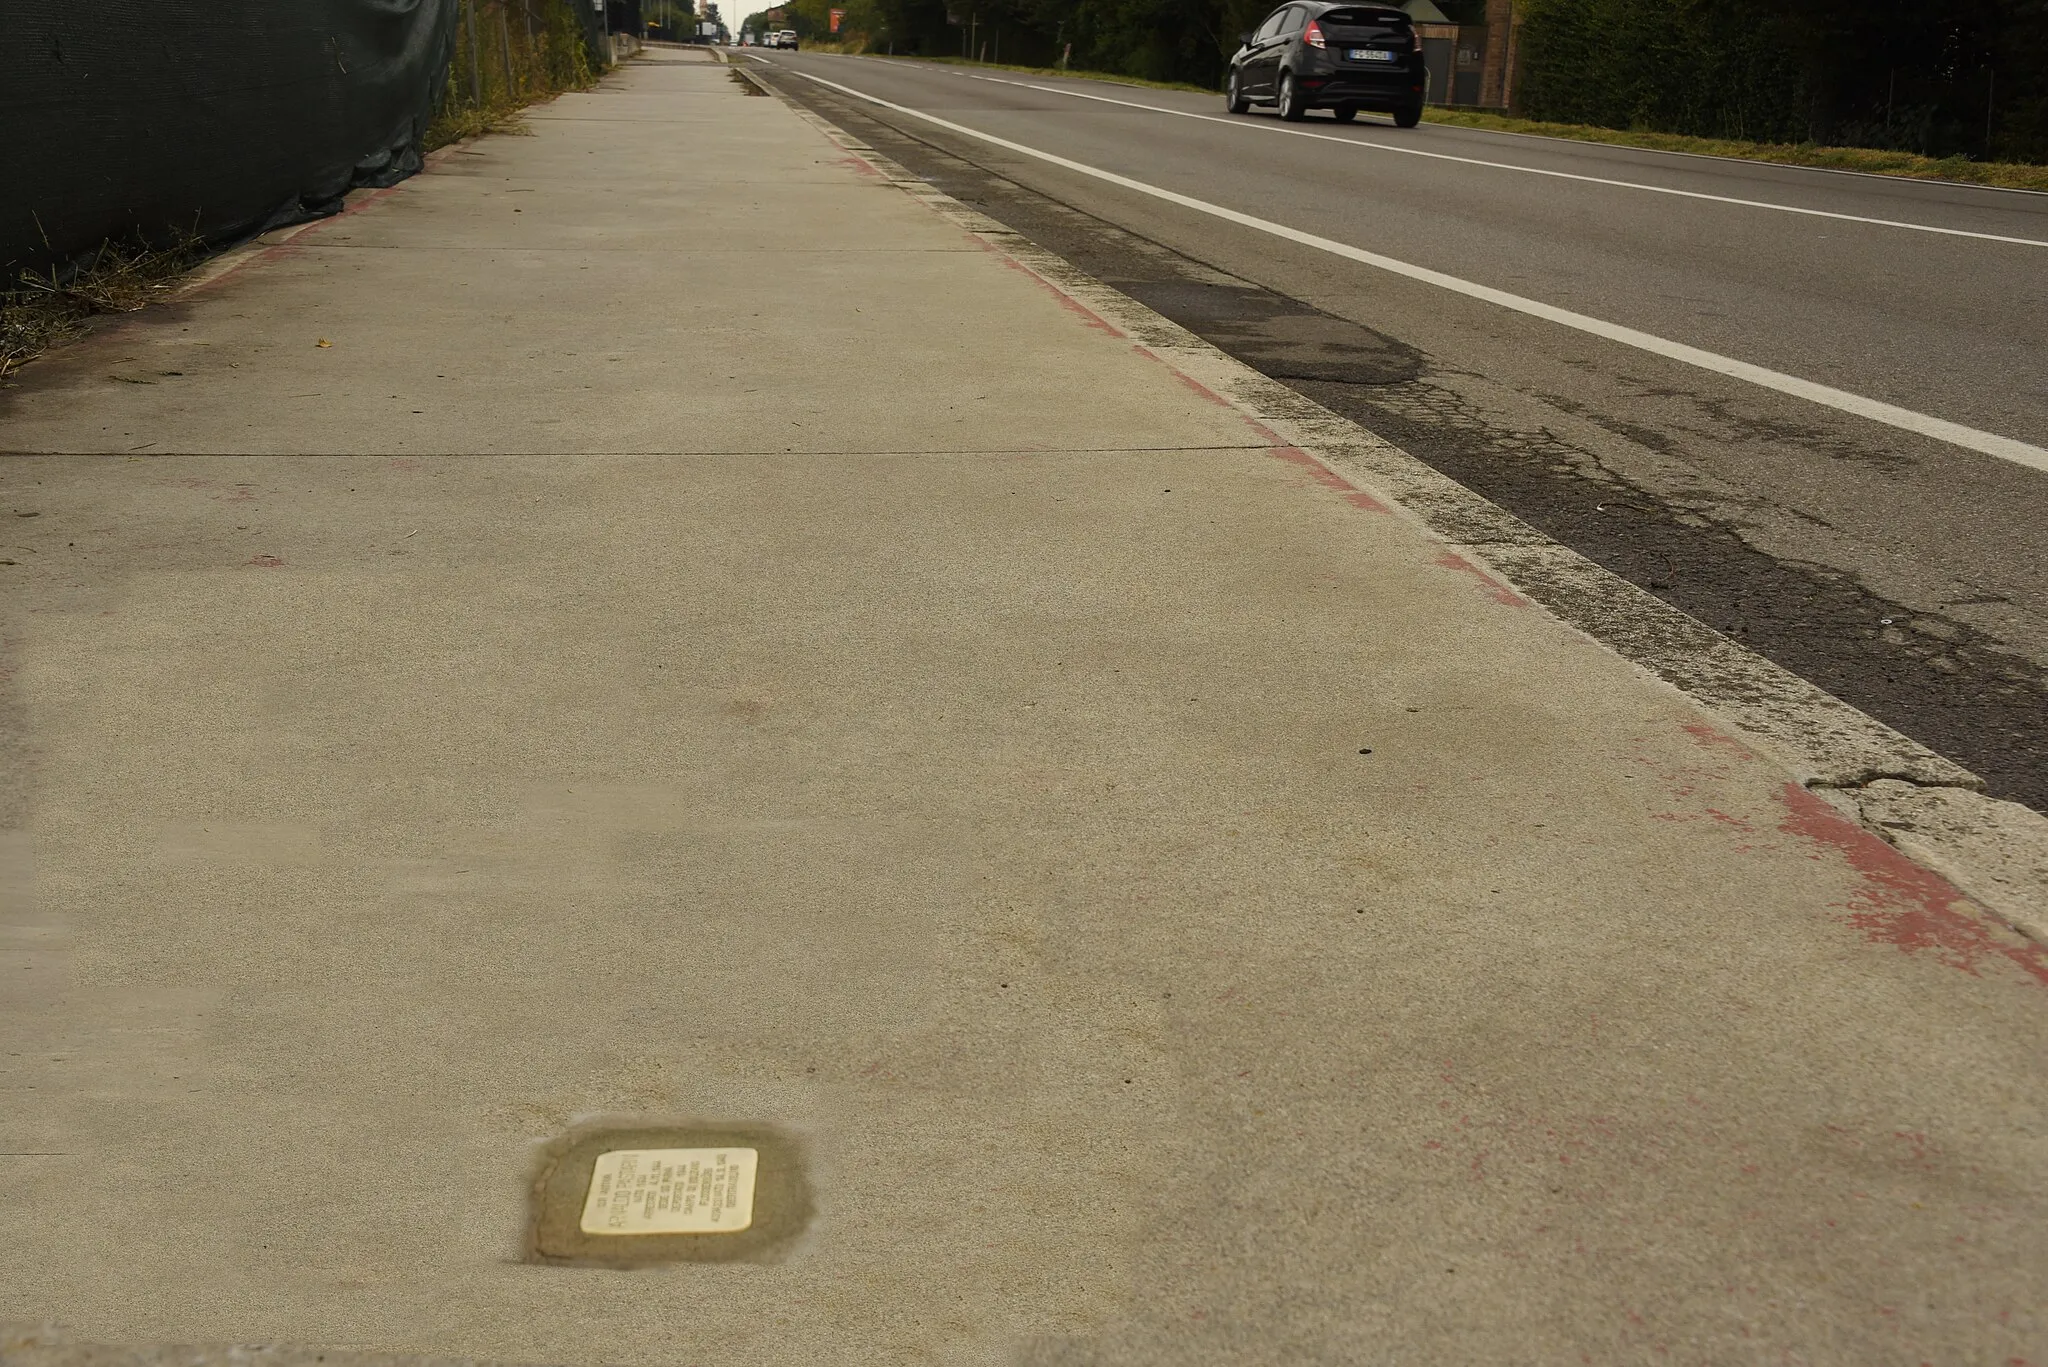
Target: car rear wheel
<point>1235,101</point>
<point>1293,107</point>
<point>1345,113</point>
<point>1408,115</point>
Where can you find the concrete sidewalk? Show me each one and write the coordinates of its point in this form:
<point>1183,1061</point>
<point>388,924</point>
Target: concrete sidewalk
<point>649,621</point>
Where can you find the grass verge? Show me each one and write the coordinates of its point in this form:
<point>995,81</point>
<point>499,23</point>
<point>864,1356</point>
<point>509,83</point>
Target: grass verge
<point>2004,175</point>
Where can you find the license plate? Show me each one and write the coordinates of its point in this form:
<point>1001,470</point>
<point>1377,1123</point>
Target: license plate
<point>1369,54</point>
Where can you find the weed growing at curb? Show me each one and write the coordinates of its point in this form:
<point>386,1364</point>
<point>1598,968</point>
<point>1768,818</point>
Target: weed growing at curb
<point>459,125</point>
<point>42,309</point>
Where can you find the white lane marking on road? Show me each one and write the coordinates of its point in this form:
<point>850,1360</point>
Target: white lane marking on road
<point>1905,419</point>
<point>1264,127</point>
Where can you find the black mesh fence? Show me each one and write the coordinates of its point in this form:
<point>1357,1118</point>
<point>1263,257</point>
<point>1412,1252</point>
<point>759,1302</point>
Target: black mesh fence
<point>164,119</point>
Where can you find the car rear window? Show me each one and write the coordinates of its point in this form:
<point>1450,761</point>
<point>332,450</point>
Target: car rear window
<point>1364,18</point>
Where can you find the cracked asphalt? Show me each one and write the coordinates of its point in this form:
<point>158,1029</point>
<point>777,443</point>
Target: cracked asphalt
<point>1906,577</point>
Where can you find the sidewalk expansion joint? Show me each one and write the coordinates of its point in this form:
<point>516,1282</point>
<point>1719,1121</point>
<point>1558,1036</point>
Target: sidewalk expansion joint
<point>51,1345</point>
<point>1892,787</point>
<point>751,452</point>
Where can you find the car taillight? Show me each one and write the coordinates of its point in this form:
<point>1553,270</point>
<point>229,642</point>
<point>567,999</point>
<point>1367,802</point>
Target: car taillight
<point>1313,36</point>
<point>1416,39</point>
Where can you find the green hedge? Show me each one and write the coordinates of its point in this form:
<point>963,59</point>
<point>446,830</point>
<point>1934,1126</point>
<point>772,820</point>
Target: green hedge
<point>1711,68</point>
<point>1940,78</point>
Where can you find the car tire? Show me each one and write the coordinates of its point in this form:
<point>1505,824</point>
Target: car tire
<point>1293,105</point>
<point>1234,100</point>
<point>1344,113</point>
<point>1408,115</point>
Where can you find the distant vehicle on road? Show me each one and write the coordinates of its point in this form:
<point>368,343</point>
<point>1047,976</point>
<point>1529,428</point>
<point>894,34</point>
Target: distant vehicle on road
<point>786,39</point>
<point>1313,54</point>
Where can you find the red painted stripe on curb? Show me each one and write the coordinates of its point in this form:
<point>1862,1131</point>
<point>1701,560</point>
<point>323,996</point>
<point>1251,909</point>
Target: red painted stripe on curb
<point>1279,447</point>
<point>1711,737</point>
<point>1328,478</point>
<point>1265,432</point>
<point>1067,301</point>
<point>279,249</point>
<point>1499,592</point>
<point>1190,381</point>
<point>1902,903</point>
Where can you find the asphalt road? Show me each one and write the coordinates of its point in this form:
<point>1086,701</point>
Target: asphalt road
<point>1903,571</point>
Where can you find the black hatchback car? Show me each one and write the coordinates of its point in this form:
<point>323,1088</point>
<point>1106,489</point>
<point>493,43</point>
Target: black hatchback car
<point>1317,55</point>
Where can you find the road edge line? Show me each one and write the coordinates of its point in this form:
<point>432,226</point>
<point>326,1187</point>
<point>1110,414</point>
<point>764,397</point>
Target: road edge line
<point>1922,803</point>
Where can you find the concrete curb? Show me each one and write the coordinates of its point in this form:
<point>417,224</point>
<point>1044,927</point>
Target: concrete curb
<point>1926,805</point>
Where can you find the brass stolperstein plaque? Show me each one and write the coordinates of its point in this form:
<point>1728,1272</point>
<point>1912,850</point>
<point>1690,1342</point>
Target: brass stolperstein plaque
<point>671,1191</point>
<point>638,1195</point>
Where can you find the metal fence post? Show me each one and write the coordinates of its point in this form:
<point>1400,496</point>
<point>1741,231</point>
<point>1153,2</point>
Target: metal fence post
<point>505,36</point>
<point>476,57</point>
<point>1990,103</point>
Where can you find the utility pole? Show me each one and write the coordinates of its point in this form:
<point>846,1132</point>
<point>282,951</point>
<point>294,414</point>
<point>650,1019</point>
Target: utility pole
<point>1507,62</point>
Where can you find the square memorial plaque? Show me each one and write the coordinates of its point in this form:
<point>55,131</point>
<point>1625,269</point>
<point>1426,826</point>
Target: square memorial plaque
<point>627,1196</point>
<point>671,1191</point>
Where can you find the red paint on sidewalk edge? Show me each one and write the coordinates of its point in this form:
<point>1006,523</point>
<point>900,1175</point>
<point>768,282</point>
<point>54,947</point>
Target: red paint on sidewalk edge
<point>1498,591</point>
<point>1710,737</point>
<point>1900,902</point>
<point>1328,478</point>
<point>283,246</point>
<point>1280,448</point>
<point>1190,381</point>
<point>1067,301</point>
